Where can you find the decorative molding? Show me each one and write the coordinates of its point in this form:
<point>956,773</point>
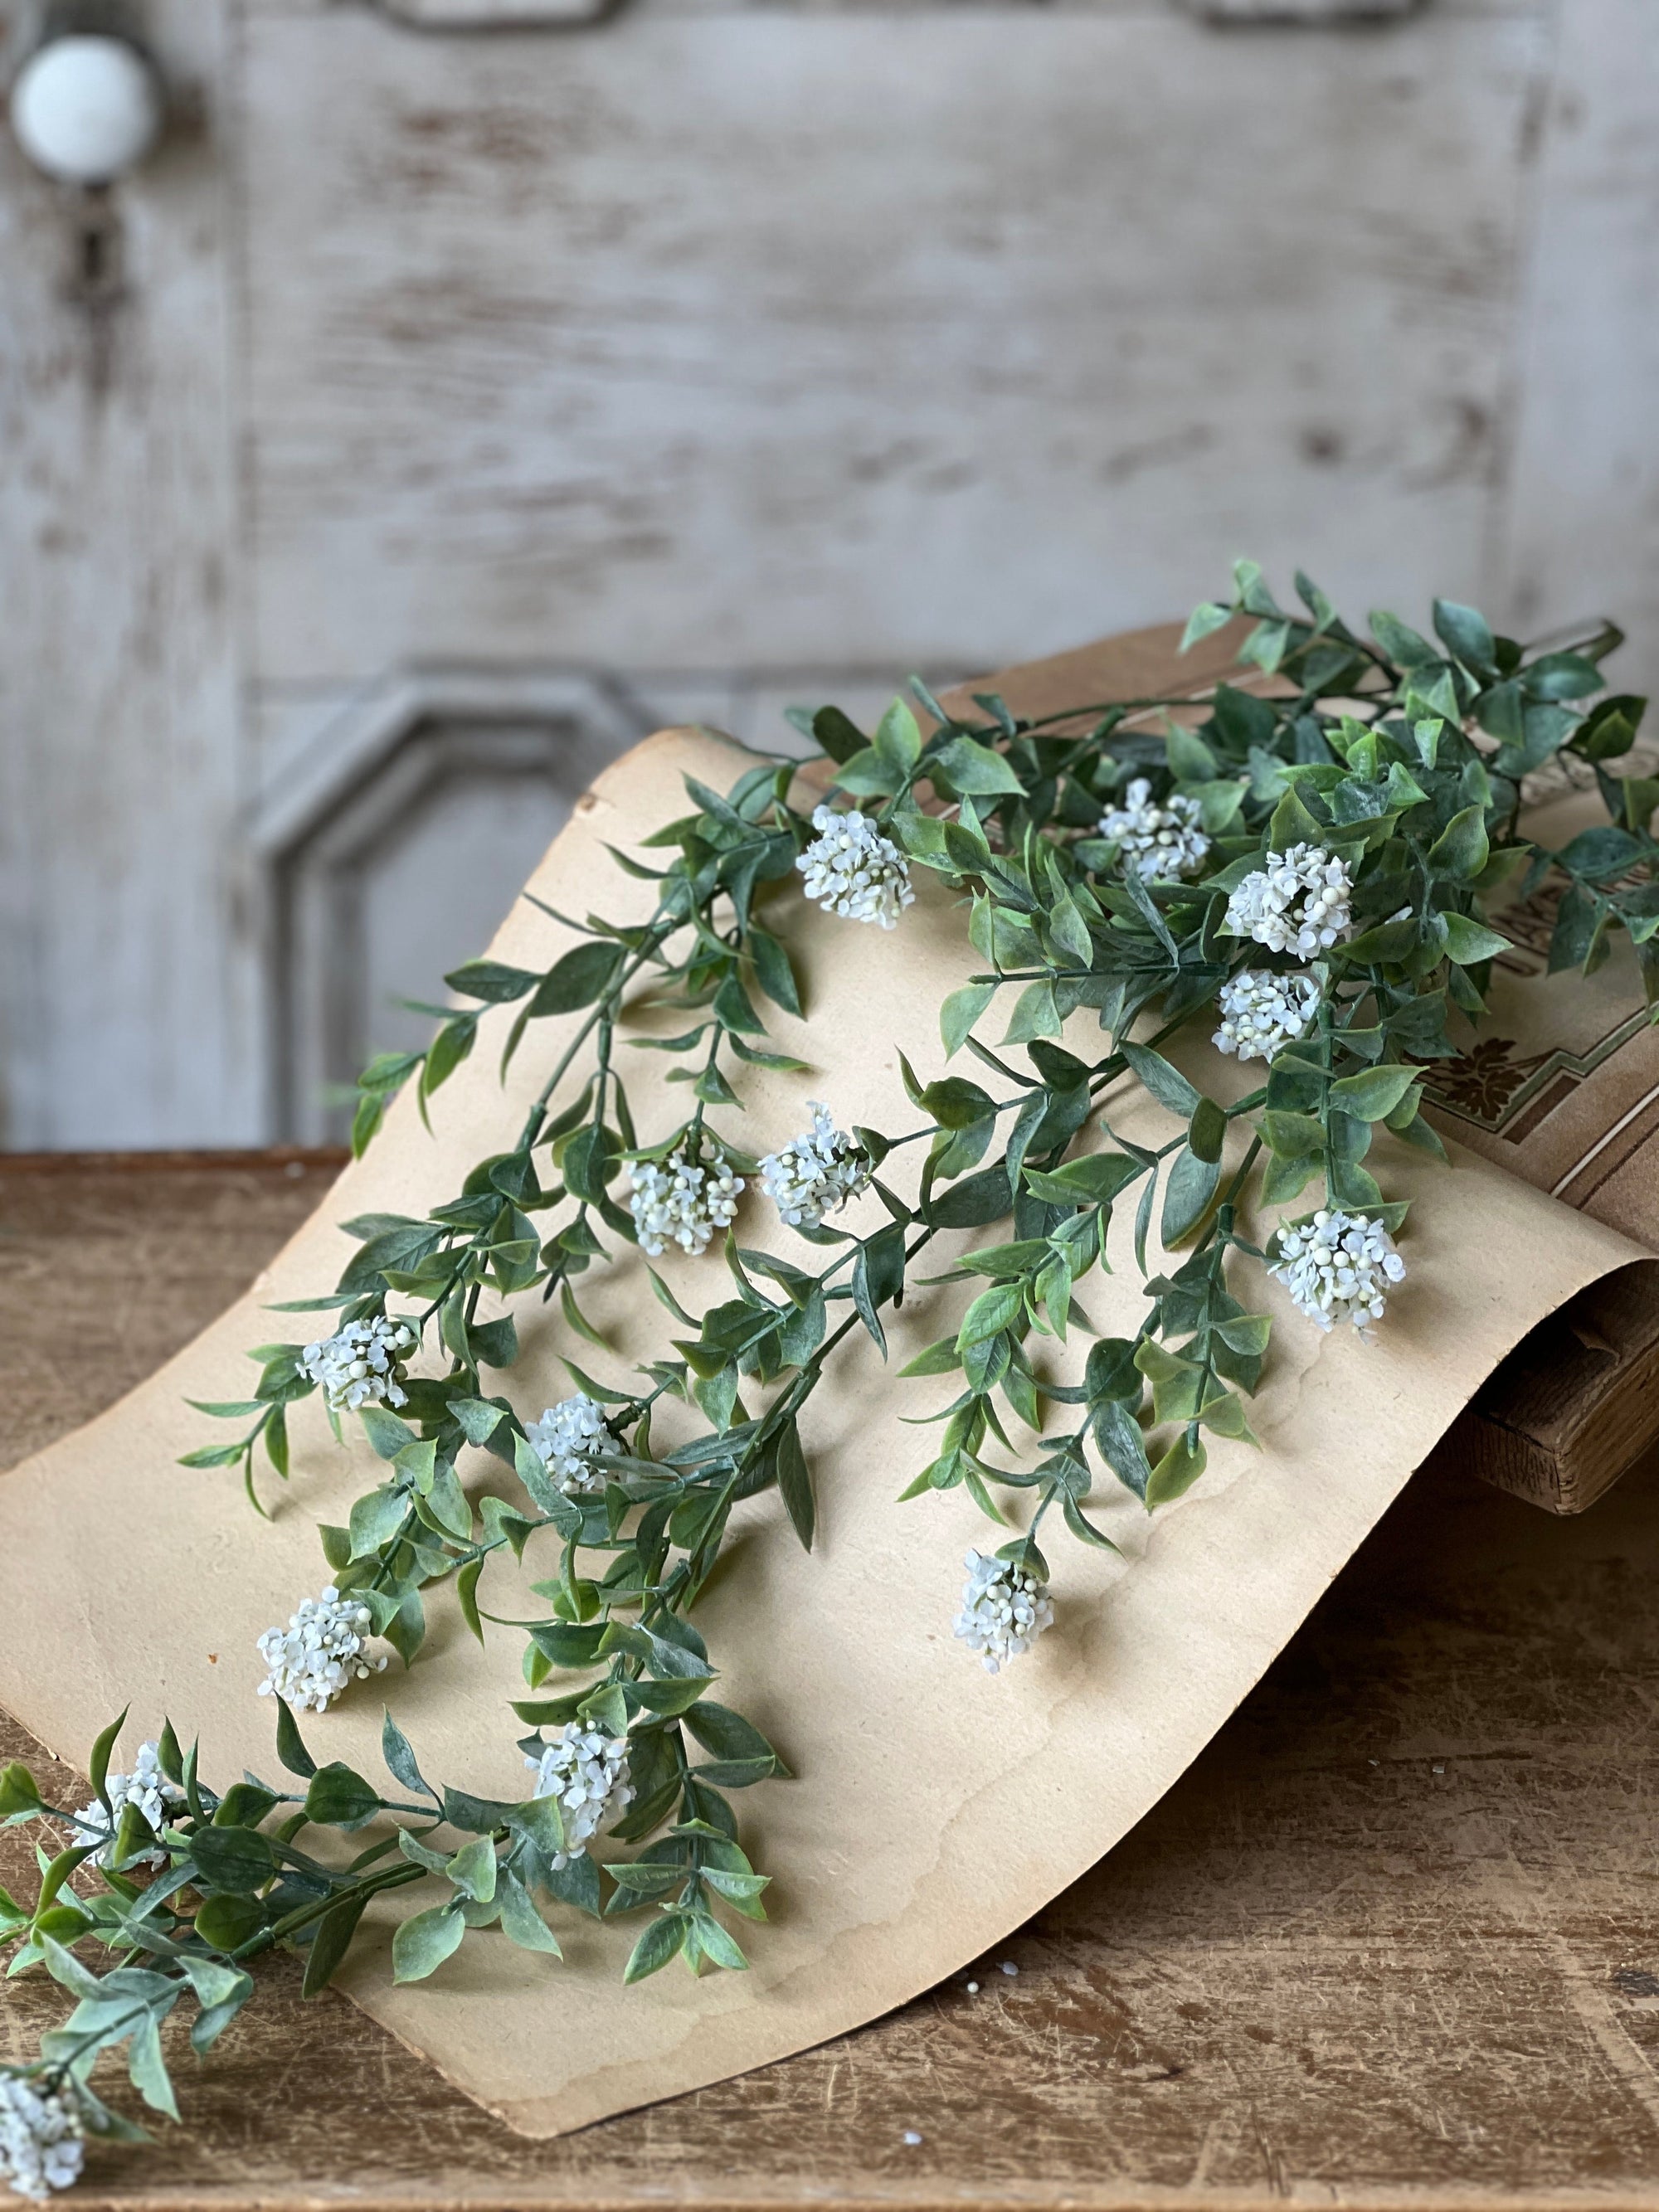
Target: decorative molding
<point>498,15</point>
<point>475,764</point>
<point>1309,12</point>
<point>368,729</point>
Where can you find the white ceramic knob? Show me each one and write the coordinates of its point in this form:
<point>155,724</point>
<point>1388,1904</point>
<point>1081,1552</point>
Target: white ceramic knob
<point>85,109</point>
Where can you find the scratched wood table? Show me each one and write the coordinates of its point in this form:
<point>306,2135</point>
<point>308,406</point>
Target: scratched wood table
<point>1394,1939</point>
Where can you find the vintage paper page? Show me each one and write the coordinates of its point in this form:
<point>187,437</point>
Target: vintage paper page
<point>936,1806</point>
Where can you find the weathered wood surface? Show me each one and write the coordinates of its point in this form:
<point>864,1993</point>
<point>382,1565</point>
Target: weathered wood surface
<point>776,335</point>
<point>125,897</point>
<point>1393,1941</point>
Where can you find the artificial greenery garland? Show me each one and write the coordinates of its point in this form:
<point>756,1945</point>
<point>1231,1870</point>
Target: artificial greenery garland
<point>1309,865</point>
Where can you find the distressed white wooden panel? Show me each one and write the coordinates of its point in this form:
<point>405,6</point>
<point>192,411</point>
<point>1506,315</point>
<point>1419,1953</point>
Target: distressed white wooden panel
<point>1584,513</point>
<point>717,342</point>
<point>402,881</point>
<point>128,1007</point>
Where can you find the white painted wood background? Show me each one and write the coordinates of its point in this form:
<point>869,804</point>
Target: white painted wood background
<point>710,355</point>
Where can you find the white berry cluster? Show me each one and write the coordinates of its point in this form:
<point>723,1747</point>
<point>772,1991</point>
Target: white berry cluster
<point>572,1439</point>
<point>1262,1012</point>
<point>816,1173</point>
<point>1004,1608</point>
<point>1298,902</point>
<point>682,1201</point>
<point>40,2146</point>
<point>1338,1267</point>
<point>1160,841</point>
<point>851,870</point>
<point>362,1366</point>
<point>323,1650</point>
<point>147,1788</point>
<point>587,1771</point>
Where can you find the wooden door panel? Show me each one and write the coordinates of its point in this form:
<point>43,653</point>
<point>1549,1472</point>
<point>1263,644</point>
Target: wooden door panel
<point>756,337</point>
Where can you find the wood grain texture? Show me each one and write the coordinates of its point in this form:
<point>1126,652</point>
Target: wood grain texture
<point>1393,1941</point>
<point>1581,516</point>
<point>726,340</point>
<point>124,914</point>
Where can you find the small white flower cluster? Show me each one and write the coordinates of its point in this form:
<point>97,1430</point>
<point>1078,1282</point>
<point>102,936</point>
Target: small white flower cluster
<point>1005,1609</point>
<point>682,1201</point>
<point>572,1439</point>
<point>1262,1012</point>
<point>1161,842</point>
<point>41,2145</point>
<point>587,1771</point>
<point>363,1364</point>
<point>1338,1267</point>
<point>851,870</point>
<point>1298,902</point>
<point>147,1788</point>
<point>323,1650</point>
<point>816,1173</point>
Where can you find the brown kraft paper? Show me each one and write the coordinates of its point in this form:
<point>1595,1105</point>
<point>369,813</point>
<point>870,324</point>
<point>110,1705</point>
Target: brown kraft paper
<point>936,1807</point>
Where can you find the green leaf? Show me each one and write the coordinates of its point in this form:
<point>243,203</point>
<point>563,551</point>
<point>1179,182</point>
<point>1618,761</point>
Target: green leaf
<point>897,741</point>
<point>340,1797</point>
<point>576,979</point>
<point>1082,1529</point>
<point>837,734</point>
<point>774,970</point>
<point>226,1923</point>
<point>960,1011</point>
<point>492,980</point>
<point>1120,1442</point>
<point>331,1943</point>
<point>520,1922</point>
<point>472,1869</point>
<point>662,1941</point>
<point>1205,619</point>
<point>975,769</point>
<point>1599,854</point>
<point>795,1484</point>
<point>376,1520</point>
<point>237,1859</point>
<point>1186,1194</point>
<point>1293,824</point>
<point>1167,1084</point>
<point>1403,646</point>
<point>1189,758</point>
<point>290,1745</point>
<point>991,1312</point>
<point>148,2069</point>
<point>1469,942</point>
<point>1176,1472</point>
<point>732,1739</point>
<point>399,1755</point>
<point>421,1944</point>
<point>1374,1092</point>
<point>479,1419</point>
<point>98,1766</point>
<point>387,1435</point>
<point>19,1797</point>
<point>1034,1015</point>
<point>1465,634</point>
<point>1208,1133</point>
<point>1461,849</point>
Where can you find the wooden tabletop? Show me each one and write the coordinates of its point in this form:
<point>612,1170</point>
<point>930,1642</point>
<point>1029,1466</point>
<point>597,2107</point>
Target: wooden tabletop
<point>1394,1939</point>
